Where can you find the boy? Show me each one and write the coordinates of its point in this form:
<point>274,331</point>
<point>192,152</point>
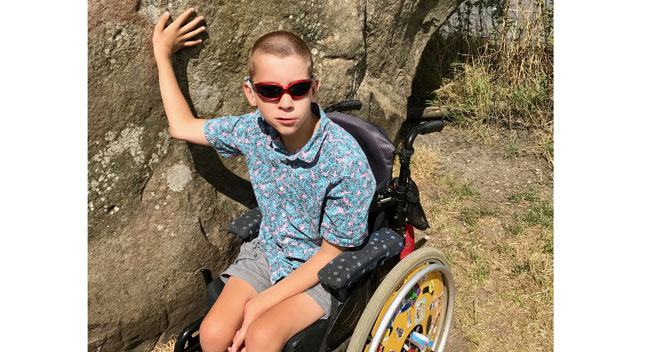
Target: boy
<point>312,183</point>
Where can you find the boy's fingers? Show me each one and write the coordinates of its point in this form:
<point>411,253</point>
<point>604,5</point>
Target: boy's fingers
<point>237,340</point>
<point>184,16</point>
<point>193,23</point>
<point>192,43</point>
<point>193,33</point>
<point>163,20</point>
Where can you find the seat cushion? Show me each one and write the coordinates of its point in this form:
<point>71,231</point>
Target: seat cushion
<point>350,266</point>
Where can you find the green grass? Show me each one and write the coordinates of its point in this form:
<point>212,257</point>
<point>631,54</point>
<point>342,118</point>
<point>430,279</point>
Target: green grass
<point>474,339</point>
<point>520,268</point>
<point>516,227</point>
<point>505,76</point>
<point>540,214</point>
<point>467,191</point>
<point>547,149</point>
<point>470,216</point>
<point>548,245</point>
<point>481,274</point>
<point>530,195</point>
<point>512,149</point>
<point>456,192</point>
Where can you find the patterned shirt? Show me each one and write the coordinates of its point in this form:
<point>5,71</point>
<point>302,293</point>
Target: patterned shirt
<point>322,191</point>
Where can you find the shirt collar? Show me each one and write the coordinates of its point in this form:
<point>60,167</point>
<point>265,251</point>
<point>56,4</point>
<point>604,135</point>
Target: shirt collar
<point>309,152</point>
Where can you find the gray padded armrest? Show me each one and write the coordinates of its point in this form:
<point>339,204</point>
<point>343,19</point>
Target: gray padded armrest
<point>247,225</point>
<point>350,266</point>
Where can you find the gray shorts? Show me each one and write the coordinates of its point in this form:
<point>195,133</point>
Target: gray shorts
<point>252,266</point>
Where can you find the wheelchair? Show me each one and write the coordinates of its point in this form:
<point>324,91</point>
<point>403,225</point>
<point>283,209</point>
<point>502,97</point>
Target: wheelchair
<point>407,294</point>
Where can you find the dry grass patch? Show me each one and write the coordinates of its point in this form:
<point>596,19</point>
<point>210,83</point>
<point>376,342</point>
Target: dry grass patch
<point>165,347</point>
<point>503,276</point>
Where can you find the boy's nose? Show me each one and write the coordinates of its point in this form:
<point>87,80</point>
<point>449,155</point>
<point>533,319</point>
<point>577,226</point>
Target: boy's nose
<point>286,102</point>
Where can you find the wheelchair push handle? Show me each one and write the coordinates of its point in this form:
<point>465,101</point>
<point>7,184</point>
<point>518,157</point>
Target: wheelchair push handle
<point>432,126</point>
<point>345,106</point>
<point>425,128</point>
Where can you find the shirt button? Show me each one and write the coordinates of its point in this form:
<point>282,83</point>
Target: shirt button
<point>283,215</point>
<point>281,188</point>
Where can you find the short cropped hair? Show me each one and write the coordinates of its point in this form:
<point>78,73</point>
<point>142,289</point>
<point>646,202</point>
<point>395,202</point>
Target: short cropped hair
<point>281,44</point>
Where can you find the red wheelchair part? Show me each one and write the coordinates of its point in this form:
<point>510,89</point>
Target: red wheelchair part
<point>409,241</point>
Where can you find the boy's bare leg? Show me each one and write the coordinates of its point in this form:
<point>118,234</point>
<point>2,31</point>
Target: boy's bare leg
<point>272,330</point>
<point>225,316</point>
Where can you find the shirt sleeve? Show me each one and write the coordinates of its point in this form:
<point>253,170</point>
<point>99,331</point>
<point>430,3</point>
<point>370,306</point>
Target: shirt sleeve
<point>228,135</point>
<point>344,222</point>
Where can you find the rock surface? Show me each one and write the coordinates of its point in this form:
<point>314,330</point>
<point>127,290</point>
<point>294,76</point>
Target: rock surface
<point>158,207</point>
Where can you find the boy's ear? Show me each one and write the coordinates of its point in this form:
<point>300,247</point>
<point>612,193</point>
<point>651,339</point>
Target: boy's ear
<point>249,93</point>
<point>315,89</point>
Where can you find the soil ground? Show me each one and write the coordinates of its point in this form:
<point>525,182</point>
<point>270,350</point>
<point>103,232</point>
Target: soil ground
<point>488,198</point>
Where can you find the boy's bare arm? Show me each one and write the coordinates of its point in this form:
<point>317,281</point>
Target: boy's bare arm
<point>167,41</point>
<point>305,276</point>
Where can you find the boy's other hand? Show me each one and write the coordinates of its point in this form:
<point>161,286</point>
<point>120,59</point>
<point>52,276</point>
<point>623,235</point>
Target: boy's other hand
<point>167,41</point>
<point>253,309</point>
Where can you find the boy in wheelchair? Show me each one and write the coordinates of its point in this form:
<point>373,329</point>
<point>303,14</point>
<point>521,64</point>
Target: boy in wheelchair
<point>315,187</point>
<point>312,183</point>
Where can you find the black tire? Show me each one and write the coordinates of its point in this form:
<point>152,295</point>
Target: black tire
<point>394,279</point>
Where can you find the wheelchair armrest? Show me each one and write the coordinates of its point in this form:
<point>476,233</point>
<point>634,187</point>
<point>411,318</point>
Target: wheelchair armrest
<point>350,266</point>
<point>247,225</point>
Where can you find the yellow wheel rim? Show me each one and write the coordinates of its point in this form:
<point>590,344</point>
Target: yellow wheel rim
<point>421,311</point>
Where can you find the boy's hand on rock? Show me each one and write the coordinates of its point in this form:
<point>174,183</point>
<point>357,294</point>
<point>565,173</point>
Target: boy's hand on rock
<point>167,41</point>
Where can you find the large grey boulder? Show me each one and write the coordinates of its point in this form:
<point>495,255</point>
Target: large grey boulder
<point>158,207</point>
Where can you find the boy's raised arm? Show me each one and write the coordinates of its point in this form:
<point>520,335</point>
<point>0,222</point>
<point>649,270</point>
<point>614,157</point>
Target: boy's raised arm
<point>166,41</point>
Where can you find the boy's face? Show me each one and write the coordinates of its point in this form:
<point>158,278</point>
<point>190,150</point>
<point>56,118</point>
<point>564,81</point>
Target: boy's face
<point>287,115</point>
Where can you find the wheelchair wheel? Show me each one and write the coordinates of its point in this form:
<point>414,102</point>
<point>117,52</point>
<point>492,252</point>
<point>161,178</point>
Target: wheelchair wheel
<point>411,309</point>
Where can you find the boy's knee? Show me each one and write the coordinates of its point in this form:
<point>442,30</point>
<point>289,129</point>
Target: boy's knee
<point>260,337</point>
<point>214,336</point>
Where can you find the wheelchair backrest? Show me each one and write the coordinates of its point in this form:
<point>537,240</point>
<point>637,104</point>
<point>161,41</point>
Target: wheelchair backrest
<point>375,143</point>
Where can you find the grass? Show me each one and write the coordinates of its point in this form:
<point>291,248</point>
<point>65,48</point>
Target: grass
<point>481,274</point>
<point>499,76</point>
<point>547,149</point>
<point>466,190</point>
<point>530,195</point>
<point>548,245</point>
<point>513,149</point>
<point>500,253</point>
<point>165,347</point>
<point>470,216</point>
<point>540,214</point>
<point>516,227</point>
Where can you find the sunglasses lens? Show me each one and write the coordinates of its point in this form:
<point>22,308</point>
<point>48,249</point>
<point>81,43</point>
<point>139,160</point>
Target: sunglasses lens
<point>269,91</point>
<point>300,89</point>
<point>274,91</point>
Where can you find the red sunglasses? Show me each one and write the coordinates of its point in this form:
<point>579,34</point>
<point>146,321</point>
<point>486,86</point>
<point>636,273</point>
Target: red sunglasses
<point>274,91</point>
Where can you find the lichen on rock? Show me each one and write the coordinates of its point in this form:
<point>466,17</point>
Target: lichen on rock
<point>178,176</point>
